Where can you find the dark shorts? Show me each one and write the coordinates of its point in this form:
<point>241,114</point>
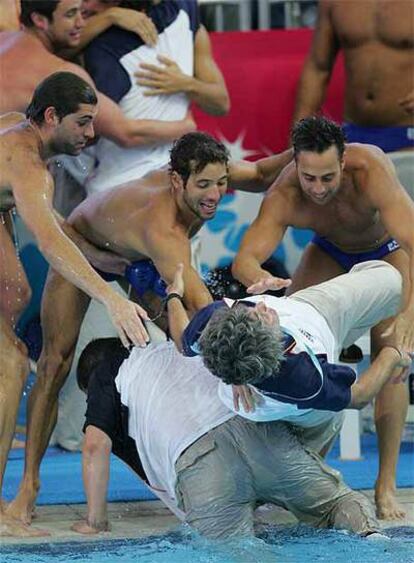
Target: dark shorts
<point>106,412</point>
<point>349,259</point>
<point>142,275</point>
<point>389,139</point>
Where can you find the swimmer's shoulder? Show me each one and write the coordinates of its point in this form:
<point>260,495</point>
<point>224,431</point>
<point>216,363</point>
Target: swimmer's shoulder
<point>11,119</point>
<point>286,186</point>
<point>361,157</point>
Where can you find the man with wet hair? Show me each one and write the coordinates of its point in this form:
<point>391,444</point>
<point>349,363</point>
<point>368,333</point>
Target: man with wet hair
<point>59,120</point>
<point>350,196</point>
<point>148,222</point>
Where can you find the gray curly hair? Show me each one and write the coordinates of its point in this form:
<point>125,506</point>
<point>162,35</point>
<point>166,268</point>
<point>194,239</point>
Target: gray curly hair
<point>238,348</point>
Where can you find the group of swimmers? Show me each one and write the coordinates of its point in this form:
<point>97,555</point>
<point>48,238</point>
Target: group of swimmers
<point>357,273</point>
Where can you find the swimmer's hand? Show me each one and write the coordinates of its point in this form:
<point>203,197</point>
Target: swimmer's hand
<point>163,79</point>
<point>126,317</point>
<point>402,361</point>
<point>268,283</point>
<point>402,332</point>
<point>248,397</point>
<point>134,21</point>
<point>107,261</point>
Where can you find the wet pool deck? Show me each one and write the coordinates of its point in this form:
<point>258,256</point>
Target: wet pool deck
<point>140,519</point>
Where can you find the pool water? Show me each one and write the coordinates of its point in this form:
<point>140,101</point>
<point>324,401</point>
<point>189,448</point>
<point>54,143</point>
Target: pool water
<point>275,544</point>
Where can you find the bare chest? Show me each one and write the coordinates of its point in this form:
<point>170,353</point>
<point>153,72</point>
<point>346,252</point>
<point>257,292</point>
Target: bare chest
<point>359,22</point>
<point>348,220</point>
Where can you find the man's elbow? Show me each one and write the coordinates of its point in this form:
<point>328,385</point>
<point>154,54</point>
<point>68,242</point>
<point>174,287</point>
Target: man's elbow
<point>224,105</point>
<point>221,105</point>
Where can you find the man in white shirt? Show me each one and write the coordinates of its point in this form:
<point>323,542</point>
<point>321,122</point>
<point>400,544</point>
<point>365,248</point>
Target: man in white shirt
<point>287,347</point>
<point>160,412</point>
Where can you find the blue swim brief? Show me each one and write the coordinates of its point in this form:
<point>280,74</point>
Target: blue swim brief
<point>348,259</point>
<point>389,139</point>
<point>142,275</point>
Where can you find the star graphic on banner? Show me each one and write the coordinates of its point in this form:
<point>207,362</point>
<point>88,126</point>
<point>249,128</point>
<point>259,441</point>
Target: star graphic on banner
<point>237,151</point>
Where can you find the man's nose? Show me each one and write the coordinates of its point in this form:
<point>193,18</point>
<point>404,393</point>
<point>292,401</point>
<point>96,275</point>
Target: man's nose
<point>90,131</point>
<point>80,21</point>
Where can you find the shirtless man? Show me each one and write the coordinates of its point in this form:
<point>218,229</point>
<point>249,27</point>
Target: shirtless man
<point>150,222</point>
<point>59,120</point>
<point>27,57</point>
<point>377,40</point>
<point>350,196</point>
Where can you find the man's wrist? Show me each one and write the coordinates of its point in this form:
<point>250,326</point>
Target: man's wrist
<point>173,295</point>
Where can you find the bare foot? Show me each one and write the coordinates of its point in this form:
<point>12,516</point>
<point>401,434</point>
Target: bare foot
<point>20,509</point>
<point>387,506</point>
<point>83,527</point>
<point>11,527</point>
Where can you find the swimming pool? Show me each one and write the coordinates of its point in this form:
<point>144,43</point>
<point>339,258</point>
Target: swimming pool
<point>293,544</point>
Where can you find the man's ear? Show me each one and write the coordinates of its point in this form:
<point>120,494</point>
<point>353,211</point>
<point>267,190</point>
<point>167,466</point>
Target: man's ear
<point>51,117</point>
<point>176,181</point>
<point>39,21</point>
<point>343,160</point>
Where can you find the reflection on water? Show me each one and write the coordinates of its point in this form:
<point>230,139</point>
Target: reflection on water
<point>275,543</point>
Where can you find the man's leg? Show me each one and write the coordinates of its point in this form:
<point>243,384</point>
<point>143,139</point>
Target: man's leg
<point>391,407</point>
<point>297,478</point>
<point>352,304</point>
<point>214,486</point>
<point>14,367</point>
<point>15,292</point>
<point>63,308</point>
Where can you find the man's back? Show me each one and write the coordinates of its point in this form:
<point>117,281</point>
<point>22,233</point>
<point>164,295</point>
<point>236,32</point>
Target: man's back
<point>121,218</point>
<point>20,76</point>
<point>172,402</point>
<point>112,60</point>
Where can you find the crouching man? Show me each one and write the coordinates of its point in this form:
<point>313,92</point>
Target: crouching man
<point>161,413</point>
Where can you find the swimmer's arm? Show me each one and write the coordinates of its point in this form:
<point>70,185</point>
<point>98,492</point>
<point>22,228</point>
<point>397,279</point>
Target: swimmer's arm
<point>381,185</point>
<point>376,376</point>
<point>34,204</point>
<point>207,88</point>
<point>130,20</point>
<point>260,241</point>
<point>318,67</point>
<point>258,176</point>
<point>177,314</point>
<point>33,192</point>
<point>128,133</point>
<point>112,123</point>
<point>95,473</point>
